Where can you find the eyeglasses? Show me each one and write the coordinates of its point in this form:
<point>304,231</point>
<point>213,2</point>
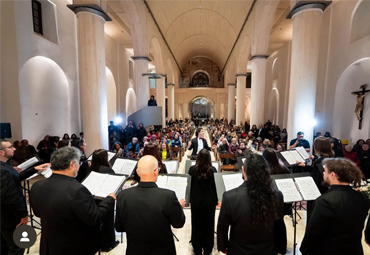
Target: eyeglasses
<point>10,147</point>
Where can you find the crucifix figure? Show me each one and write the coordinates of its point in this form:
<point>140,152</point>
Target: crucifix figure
<point>360,103</point>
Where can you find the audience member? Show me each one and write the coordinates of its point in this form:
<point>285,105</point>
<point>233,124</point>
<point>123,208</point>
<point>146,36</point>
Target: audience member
<point>133,148</point>
<point>198,143</point>
<point>118,149</point>
<point>364,157</point>
<point>152,101</point>
<point>300,142</point>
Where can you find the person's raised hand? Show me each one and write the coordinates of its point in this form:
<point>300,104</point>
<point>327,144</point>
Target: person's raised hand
<point>219,204</point>
<point>18,169</point>
<point>42,167</point>
<point>300,163</point>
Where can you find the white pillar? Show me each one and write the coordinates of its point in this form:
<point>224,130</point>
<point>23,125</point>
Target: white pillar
<point>93,88</point>
<point>258,90</point>
<point>304,63</point>
<point>141,82</point>
<point>161,97</point>
<point>241,80</point>
<point>231,101</point>
<point>171,101</point>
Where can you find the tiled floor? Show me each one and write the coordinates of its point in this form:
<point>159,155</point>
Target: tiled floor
<point>184,248</point>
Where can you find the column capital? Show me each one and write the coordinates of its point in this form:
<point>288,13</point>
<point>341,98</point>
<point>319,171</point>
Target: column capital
<point>141,58</point>
<point>155,75</point>
<point>305,5</point>
<point>231,84</point>
<point>170,84</point>
<point>241,74</point>
<point>92,8</point>
<point>259,56</point>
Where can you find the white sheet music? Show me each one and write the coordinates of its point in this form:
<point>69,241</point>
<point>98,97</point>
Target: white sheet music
<point>193,163</point>
<point>232,181</point>
<point>296,155</point>
<point>124,166</point>
<point>243,160</point>
<point>303,152</point>
<point>47,173</point>
<point>162,181</point>
<point>307,187</point>
<point>289,190</point>
<point>288,157</point>
<point>171,166</point>
<point>32,176</point>
<point>29,163</point>
<point>94,181</point>
<point>111,184</point>
<point>178,185</point>
<point>101,185</point>
<point>215,165</point>
<point>128,167</point>
<point>111,155</point>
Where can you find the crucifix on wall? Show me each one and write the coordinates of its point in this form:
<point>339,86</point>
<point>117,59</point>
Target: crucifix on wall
<point>360,103</point>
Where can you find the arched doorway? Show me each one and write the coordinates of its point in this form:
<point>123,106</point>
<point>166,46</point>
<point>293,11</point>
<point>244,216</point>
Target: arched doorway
<point>202,107</point>
<point>44,96</point>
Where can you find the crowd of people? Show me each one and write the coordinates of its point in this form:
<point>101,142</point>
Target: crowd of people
<point>73,222</point>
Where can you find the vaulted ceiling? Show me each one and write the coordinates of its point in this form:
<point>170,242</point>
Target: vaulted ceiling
<point>200,28</point>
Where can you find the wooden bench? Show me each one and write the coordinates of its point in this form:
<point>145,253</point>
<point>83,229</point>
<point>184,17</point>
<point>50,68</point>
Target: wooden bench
<point>175,150</point>
<point>226,156</point>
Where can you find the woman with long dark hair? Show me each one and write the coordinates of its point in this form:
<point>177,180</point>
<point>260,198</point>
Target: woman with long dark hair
<point>203,200</point>
<point>273,162</point>
<point>250,210</point>
<point>100,163</point>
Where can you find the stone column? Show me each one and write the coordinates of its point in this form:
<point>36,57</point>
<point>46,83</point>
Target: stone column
<point>171,101</point>
<point>241,80</point>
<point>304,62</point>
<point>91,61</point>
<point>141,82</point>
<point>231,101</point>
<point>258,89</point>
<point>161,96</point>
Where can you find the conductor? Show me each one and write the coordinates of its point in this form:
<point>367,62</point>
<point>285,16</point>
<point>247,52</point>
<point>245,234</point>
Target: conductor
<point>198,143</point>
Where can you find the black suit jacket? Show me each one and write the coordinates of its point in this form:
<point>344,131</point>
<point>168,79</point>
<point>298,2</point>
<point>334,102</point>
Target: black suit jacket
<point>13,204</point>
<point>146,213</point>
<point>336,223</point>
<point>70,218</point>
<point>245,239</point>
<point>194,146</point>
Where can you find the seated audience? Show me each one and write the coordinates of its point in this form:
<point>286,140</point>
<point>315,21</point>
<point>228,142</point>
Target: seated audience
<point>133,148</point>
<point>351,155</point>
<point>165,152</point>
<point>118,149</point>
<point>364,157</point>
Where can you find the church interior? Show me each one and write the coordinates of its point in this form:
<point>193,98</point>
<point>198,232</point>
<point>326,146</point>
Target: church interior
<point>71,66</point>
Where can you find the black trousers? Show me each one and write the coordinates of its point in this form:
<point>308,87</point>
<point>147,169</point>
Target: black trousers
<point>202,229</point>
<point>8,247</point>
<point>107,233</point>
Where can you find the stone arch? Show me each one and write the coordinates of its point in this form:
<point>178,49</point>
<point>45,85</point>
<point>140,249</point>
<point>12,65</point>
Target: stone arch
<point>111,95</point>
<point>45,99</point>
<point>169,72</point>
<point>212,113</point>
<point>130,102</point>
<point>360,21</point>
<point>156,51</point>
<point>275,69</point>
<point>200,71</point>
<point>243,55</point>
<point>345,123</point>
